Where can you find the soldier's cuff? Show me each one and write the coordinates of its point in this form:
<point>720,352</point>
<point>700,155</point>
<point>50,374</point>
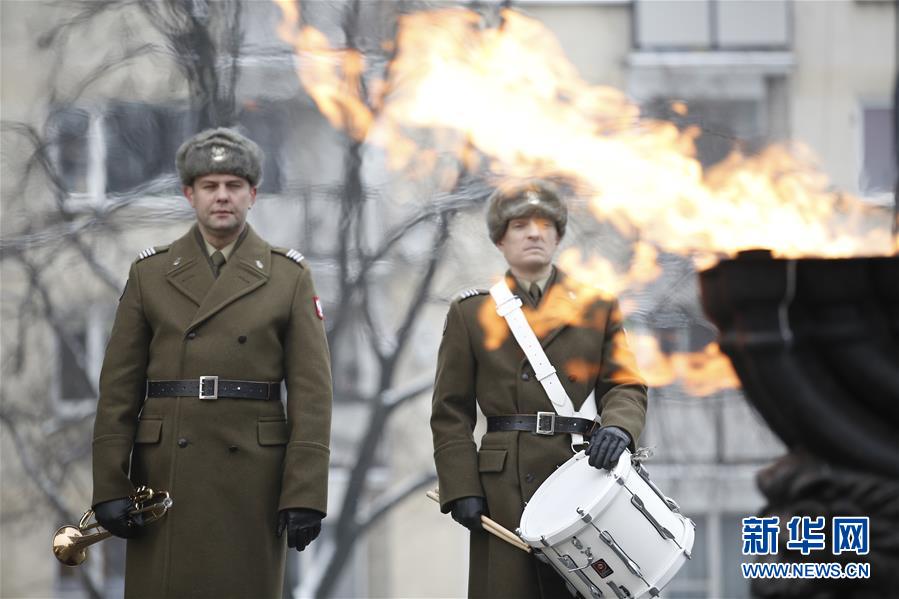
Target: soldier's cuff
<point>111,459</point>
<point>457,473</point>
<point>305,480</point>
<point>625,424</point>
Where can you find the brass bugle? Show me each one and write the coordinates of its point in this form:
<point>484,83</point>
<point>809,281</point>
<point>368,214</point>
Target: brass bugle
<point>70,543</point>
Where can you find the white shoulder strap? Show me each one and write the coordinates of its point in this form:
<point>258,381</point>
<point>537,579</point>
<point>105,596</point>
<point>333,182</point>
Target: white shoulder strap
<point>509,307</point>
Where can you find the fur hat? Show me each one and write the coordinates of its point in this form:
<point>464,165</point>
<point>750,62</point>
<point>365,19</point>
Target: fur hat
<point>219,151</point>
<point>520,200</point>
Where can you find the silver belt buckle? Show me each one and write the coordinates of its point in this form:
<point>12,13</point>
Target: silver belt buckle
<point>546,423</point>
<point>204,382</point>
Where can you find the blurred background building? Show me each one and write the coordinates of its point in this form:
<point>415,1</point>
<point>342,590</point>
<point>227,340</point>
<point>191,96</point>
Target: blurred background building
<point>94,110</point>
<point>816,72</point>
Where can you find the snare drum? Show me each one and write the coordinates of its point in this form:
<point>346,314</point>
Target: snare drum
<point>607,533</point>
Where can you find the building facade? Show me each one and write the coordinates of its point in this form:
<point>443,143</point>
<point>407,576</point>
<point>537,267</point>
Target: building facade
<point>820,72</point>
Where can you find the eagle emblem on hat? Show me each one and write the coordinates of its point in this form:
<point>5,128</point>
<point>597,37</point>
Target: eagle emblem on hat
<point>218,153</point>
<point>532,198</point>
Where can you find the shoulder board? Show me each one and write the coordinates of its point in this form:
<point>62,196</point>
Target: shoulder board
<point>471,293</point>
<point>291,254</point>
<point>152,251</point>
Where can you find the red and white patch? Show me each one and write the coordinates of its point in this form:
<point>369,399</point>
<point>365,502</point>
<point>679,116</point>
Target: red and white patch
<point>318,308</point>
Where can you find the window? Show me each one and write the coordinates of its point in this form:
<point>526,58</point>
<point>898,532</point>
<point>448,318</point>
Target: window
<point>74,367</point>
<point>264,124</point>
<point>735,586</point>
<point>127,144</point>
<point>878,170</point>
<point>69,129</point>
<point>692,580</point>
<point>140,142</point>
<point>142,139</point>
<point>714,570</point>
<point>724,124</point>
<point>116,148</point>
<point>712,25</point>
<point>80,349</point>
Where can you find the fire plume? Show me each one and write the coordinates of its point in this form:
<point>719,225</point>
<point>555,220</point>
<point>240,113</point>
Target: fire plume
<point>602,273</point>
<point>505,102</point>
<point>567,303</point>
<point>511,94</point>
<point>331,76</point>
<point>701,373</point>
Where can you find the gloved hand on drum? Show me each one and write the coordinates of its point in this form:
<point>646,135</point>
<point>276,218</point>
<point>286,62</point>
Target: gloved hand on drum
<point>115,516</point>
<point>467,511</point>
<point>303,526</point>
<point>607,443</point>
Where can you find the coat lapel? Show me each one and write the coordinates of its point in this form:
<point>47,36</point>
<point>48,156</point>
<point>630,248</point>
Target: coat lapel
<point>554,305</point>
<point>189,271</point>
<point>556,302</point>
<point>246,270</point>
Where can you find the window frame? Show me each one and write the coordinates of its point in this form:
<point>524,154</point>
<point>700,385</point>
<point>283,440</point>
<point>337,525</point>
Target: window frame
<point>884,197</point>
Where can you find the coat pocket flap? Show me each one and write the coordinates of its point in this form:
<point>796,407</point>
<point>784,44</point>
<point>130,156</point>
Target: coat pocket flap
<point>491,460</point>
<point>148,431</point>
<point>273,432</point>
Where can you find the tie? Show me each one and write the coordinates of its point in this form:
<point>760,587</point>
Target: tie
<point>535,292</point>
<point>218,259</point>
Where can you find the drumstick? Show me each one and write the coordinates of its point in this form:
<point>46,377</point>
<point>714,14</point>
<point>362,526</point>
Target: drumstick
<point>496,529</point>
<point>493,527</point>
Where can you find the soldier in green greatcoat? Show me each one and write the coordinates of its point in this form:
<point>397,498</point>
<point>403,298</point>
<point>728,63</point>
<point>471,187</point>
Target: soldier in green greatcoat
<point>206,330</point>
<point>480,363</point>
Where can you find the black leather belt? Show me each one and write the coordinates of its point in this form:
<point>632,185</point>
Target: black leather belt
<point>212,387</point>
<point>541,423</point>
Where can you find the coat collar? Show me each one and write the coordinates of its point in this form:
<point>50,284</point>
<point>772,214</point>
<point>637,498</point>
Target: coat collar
<point>525,294</point>
<point>557,308</point>
<point>247,269</point>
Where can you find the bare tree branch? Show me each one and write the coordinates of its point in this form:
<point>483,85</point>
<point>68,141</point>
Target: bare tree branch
<point>110,64</point>
<point>418,301</point>
<point>390,500</point>
<point>394,398</point>
<point>89,10</point>
<point>48,490</point>
<point>347,528</point>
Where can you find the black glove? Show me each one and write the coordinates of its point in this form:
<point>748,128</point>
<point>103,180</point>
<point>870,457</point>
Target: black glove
<point>467,511</point>
<point>303,526</point>
<point>606,445</point>
<point>113,515</point>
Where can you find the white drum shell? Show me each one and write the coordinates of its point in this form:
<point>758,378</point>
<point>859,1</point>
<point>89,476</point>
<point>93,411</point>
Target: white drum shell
<point>581,515</point>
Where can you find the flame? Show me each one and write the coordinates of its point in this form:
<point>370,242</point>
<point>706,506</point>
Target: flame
<point>333,78</point>
<point>581,369</point>
<point>511,94</point>
<point>701,373</point>
<point>570,304</point>
<point>567,303</point>
<point>601,273</point>
<point>506,103</point>
<point>679,107</point>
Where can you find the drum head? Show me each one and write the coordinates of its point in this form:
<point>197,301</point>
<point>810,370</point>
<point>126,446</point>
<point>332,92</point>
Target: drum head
<point>553,510</point>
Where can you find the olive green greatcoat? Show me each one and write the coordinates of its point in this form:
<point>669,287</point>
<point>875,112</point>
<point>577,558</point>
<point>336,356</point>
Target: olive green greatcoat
<point>590,352</point>
<point>229,464</point>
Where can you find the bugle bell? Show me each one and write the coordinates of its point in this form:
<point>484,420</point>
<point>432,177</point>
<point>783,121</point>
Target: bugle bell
<point>70,543</point>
